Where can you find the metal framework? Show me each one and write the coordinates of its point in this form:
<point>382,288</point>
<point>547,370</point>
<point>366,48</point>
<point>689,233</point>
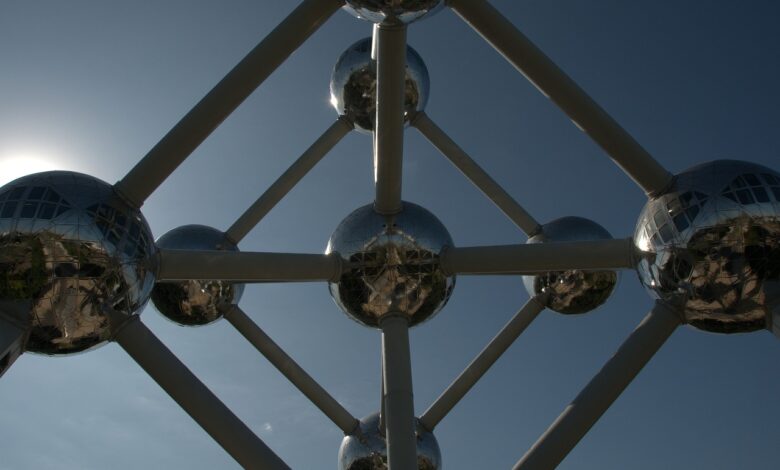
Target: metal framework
<point>397,409</point>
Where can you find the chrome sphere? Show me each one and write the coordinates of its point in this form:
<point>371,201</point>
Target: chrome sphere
<point>195,302</point>
<point>392,11</point>
<point>353,85</point>
<point>711,245</point>
<point>76,254</point>
<point>392,265</point>
<point>572,291</point>
<point>369,451</point>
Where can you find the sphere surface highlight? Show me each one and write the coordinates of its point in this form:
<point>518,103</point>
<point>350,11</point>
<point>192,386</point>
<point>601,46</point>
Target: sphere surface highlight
<point>711,245</point>
<point>392,11</point>
<point>369,451</point>
<point>74,254</point>
<point>392,265</point>
<point>353,85</point>
<point>195,302</point>
<point>573,291</point>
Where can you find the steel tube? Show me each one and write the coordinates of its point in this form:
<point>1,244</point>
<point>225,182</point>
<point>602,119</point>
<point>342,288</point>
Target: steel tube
<point>399,397</point>
<point>179,265</point>
<point>195,398</point>
<point>471,375</point>
<point>389,129</point>
<point>382,412</point>
<point>540,257</point>
<point>223,99</point>
<point>288,180</point>
<point>563,91</point>
<point>476,174</point>
<point>290,369</point>
<point>575,421</point>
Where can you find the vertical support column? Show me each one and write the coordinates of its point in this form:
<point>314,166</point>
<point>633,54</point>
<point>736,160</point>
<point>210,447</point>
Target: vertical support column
<point>390,45</point>
<point>581,414</point>
<point>195,398</point>
<point>399,397</point>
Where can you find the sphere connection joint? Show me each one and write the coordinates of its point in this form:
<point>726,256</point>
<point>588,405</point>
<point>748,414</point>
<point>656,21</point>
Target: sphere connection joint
<point>77,255</point>
<point>391,265</point>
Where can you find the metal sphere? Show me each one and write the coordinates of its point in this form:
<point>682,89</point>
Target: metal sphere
<point>710,245</point>
<point>573,291</point>
<point>392,11</point>
<point>75,255</point>
<point>195,302</point>
<point>369,451</point>
<point>392,265</point>
<point>353,85</point>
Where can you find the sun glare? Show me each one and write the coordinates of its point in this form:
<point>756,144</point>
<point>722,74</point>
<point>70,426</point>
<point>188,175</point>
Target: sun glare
<point>20,165</point>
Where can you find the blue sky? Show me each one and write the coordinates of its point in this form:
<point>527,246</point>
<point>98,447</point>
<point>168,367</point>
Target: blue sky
<point>93,85</point>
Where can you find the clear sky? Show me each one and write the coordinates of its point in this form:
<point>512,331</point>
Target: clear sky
<point>93,85</point>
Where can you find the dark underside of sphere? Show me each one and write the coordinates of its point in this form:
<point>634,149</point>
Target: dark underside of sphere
<point>353,85</point>
<point>392,265</point>
<point>74,255</point>
<point>369,451</point>
<point>573,291</point>
<point>711,245</point>
<point>195,302</point>
<point>392,11</point>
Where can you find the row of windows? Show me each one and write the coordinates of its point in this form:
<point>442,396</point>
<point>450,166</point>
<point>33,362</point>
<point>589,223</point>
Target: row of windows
<point>40,203</point>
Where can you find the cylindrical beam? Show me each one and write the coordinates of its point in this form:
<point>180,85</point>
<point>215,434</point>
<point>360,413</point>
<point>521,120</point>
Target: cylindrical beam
<point>223,99</point>
<point>382,412</point>
<point>399,397</point>
<point>197,400</point>
<point>471,375</point>
<point>575,421</point>
<point>290,369</point>
<point>555,84</point>
<point>180,265</point>
<point>476,174</point>
<point>288,180</point>
<point>389,128</point>
<point>540,257</point>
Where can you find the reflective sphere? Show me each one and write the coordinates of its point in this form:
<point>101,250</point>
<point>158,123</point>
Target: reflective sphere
<point>711,245</point>
<point>75,252</point>
<point>392,265</point>
<point>369,451</point>
<point>392,11</point>
<point>572,291</point>
<point>195,302</point>
<point>353,85</point>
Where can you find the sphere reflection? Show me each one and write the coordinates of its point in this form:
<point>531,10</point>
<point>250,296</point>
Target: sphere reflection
<point>353,85</point>
<point>369,451</point>
<point>392,265</point>
<point>75,255</point>
<point>711,245</point>
<point>392,11</point>
<point>195,302</point>
<point>572,291</point>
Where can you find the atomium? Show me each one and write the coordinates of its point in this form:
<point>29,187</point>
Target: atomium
<point>195,302</point>
<point>76,255</point>
<point>710,245</point>
<point>353,85</point>
<point>368,451</point>
<point>573,291</point>
<point>393,11</point>
<point>392,265</point>
<point>79,260</point>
